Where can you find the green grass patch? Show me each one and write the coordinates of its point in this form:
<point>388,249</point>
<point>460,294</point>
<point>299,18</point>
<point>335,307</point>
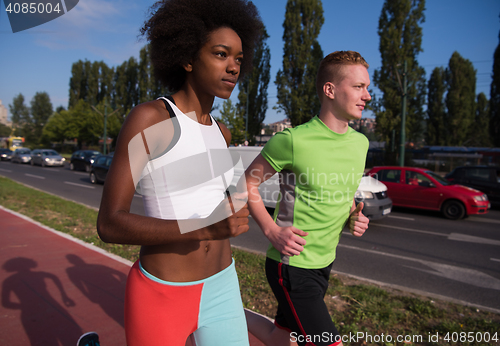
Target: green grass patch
<point>355,307</point>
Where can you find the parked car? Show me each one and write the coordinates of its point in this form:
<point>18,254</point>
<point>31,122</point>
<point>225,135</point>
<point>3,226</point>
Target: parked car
<point>482,178</point>
<point>423,189</point>
<point>46,157</point>
<point>82,160</point>
<point>99,168</point>
<point>21,155</point>
<point>5,154</point>
<point>372,192</point>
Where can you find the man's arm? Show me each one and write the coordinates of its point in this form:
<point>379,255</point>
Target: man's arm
<point>287,240</point>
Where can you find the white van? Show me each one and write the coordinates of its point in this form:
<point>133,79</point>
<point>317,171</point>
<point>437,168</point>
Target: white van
<point>371,191</point>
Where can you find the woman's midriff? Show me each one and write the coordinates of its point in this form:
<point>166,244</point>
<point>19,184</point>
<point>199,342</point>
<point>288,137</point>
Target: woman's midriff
<point>186,262</point>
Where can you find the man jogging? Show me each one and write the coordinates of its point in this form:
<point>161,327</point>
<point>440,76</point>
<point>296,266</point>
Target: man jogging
<point>321,164</point>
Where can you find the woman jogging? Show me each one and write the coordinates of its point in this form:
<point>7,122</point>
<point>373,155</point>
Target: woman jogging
<point>174,153</point>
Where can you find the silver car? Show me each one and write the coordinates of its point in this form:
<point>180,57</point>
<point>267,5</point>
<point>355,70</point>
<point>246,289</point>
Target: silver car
<point>46,157</point>
<point>21,155</point>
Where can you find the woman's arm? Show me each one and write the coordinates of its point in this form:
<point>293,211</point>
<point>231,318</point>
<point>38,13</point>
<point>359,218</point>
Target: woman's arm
<point>115,223</point>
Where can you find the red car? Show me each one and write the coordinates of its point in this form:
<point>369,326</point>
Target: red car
<point>420,188</point>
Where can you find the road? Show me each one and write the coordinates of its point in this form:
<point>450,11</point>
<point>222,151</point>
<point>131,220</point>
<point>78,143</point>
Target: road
<point>412,250</point>
<point>60,181</point>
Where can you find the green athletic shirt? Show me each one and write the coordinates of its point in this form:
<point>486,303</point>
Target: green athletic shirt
<point>320,171</point>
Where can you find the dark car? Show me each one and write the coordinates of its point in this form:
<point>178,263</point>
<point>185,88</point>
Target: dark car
<point>82,160</point>
<point>5,154</point>
<point>482,178</point>
<point>99,168</point>
<point>412,187</point>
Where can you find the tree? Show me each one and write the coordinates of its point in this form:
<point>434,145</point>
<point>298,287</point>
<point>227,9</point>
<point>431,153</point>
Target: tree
<point>460,99</point>
<point>495,99</point>
<point>5,131</point>
<point>126,86</point>
<point>149,88</point>
<point>56,129</point>
<point>400,40</point>
<point>77,83</point>
<point>479,132</point>
<point>59,109</point>
<point>19,114</point>
<point>234,121</point>
<point>296,81</point>
<point>81,122</point>
<point>41,110</point>
<point>90,82</point>
<point>145,75</point>
<point>253,89</point>
<point>436,109</point>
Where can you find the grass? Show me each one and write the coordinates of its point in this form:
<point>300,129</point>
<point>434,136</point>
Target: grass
<point>380,314</point>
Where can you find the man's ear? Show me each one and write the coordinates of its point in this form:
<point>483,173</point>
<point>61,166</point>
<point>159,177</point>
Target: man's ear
<point>329,90</point>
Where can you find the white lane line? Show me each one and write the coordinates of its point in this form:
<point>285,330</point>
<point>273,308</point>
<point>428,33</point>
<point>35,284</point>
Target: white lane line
<point>479,219</point>
<point>495,259</point>
<point>34,176</point>
<point>79,185</point>
<point>5,170</point>
<point>452,236</point>
<point>400,218</point>
<point>472,239</point>
<point>409,229</point>
<point>80,173</point>
<point>465,275</point>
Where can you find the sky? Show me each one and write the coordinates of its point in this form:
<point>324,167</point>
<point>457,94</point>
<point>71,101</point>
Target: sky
<point>40,59</point>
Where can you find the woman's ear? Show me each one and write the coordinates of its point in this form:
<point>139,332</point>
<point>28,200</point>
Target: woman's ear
<point>329,90</point>
<point>188,67</point>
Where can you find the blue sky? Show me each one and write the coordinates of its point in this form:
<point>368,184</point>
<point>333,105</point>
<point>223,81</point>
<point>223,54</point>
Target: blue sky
<point>40,59</point>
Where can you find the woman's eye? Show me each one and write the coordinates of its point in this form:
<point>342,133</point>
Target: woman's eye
<point>221,54</point>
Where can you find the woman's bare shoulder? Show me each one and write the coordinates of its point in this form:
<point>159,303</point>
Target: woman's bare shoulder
<point>147,114</point>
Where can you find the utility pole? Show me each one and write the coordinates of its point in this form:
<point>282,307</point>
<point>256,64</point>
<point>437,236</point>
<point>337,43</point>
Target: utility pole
<point>246,112</point>
<point>105,115</point>
<point>403,117</point>
<point>105,137</point>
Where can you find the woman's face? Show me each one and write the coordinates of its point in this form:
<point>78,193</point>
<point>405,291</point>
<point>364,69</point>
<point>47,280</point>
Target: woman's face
<point>216,70</point>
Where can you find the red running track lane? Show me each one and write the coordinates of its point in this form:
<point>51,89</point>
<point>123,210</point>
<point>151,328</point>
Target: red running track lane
<point>56,287</point>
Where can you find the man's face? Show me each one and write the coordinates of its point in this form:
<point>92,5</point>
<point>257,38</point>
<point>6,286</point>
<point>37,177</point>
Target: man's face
<point>351,93</point>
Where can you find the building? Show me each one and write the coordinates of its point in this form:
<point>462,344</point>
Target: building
<point>3,115</point>
<point>368,123</point>
<point>280,125</point>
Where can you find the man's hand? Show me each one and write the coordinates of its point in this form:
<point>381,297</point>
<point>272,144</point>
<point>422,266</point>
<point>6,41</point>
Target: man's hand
<point>287,240</point>
<point>358,223</point>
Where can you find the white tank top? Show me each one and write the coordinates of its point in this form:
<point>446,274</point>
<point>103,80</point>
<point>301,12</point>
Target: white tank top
<point>189,180</point>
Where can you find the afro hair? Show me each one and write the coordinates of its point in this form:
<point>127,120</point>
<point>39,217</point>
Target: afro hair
<point>178,29</point>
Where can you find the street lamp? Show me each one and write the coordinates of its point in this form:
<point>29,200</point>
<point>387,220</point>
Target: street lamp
<point>105,115</point>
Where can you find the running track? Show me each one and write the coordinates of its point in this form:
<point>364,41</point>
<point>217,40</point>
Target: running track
<point>55,287</point>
